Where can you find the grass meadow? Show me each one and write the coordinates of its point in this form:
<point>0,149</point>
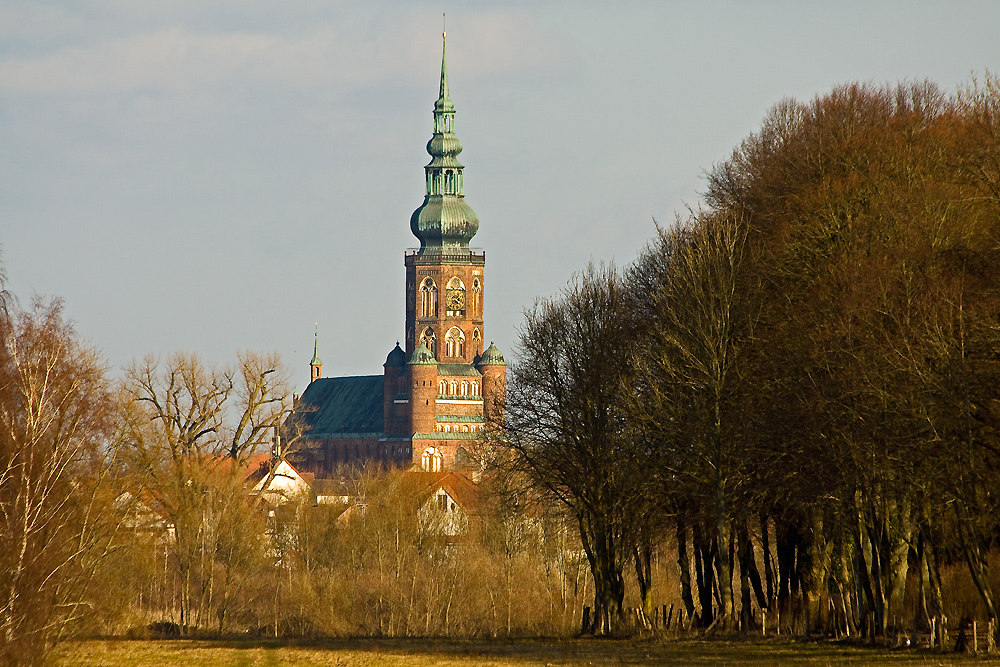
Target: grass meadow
<point>521,653</point>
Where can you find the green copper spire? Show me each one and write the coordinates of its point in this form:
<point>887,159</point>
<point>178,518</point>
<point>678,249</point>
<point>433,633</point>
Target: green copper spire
<point>444,223</point>
<point>443,99</point>
<point>316,360</point>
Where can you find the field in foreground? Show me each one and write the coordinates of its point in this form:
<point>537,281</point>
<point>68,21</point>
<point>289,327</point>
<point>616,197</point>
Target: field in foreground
<point>423,653</point>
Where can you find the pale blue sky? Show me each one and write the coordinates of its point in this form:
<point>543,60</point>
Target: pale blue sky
<point>212,175</point>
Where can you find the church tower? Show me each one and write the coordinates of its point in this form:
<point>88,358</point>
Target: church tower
<point>444,277</point>
<point>449,387</point>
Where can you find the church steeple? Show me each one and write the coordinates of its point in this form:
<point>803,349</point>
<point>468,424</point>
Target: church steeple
<point>316,365</point>
<point>444,223</point>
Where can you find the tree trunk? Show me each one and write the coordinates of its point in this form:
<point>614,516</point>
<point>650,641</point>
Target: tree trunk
<point>765,545</point>
<point>684,567</point>
<point>749,577</point>
<point>705,579</point>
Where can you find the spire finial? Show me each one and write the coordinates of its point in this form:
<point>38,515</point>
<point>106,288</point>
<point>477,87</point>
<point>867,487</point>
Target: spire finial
<point>444,67</point>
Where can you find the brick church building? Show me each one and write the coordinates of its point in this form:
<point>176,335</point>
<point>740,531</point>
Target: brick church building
<point>432,404</point>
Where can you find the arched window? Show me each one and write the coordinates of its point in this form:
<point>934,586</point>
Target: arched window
<point>454,343</point>
<point>431,460</point>
<point>454,388</point>
<point>442,387</point>
<point>475,389</point>
<point>428,298</point>
<point>455,297</point>
<point>428,338</point>
<point>477,298</point>
<point>477,341</point>
<point>462,458</point>
<point>465,428</point>
<point>465,388</point>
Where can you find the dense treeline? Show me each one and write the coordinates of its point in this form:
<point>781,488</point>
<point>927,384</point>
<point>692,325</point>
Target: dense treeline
<point>805,371</point>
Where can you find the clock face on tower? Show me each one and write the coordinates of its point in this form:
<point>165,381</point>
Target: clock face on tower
<point>456,299</point>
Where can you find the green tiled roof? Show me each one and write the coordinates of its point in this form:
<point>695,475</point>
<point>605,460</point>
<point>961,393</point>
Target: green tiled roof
<point>492,357</point>
<point>422,356</point>
<point>458,370</point>
<point>332,407</point>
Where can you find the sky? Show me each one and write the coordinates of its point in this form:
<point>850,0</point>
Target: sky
<point>219,175</point>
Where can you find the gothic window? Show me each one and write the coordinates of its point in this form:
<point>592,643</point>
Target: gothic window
<point>442,387</point>
<point>465,388</point>
<point>477,341</point>
<point>428,338</point>
<point>428,298</point>
<point>454,388</point>
<point>454,343</point>
<point>475,389</point>
<point>448,181</point>
<point>465,429</point>
<point>477,298</point>
<point>431,460</point>
<point>455,297</point>
<point>462,458</point>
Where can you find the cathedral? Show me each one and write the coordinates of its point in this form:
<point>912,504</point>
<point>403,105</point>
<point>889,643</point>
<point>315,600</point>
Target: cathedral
<point>438,393</point>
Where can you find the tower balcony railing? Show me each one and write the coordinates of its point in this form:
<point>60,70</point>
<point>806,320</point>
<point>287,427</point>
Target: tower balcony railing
<point>437,256</point>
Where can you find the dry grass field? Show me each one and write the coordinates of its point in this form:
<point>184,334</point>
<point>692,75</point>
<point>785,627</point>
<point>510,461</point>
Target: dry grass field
<point>527,653</point>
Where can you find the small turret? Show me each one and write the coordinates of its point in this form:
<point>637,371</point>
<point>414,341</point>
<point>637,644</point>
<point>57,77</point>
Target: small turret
<point>423,379</point>
<point>494,369</point>
<point>316,365</point>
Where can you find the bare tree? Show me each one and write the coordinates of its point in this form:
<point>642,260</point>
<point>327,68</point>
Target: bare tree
<point>192,430</point>
<point>56,425</point>
<point>566,424</point>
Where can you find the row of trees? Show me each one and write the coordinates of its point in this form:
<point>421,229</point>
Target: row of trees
<point>802,378</point>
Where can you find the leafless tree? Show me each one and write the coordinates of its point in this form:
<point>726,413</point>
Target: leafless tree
<point>192,430</point>
<point>565,421</point>
<point>56,453</point>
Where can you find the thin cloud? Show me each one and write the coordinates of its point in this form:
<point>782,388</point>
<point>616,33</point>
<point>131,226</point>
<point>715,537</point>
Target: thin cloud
<point>178,59</point>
